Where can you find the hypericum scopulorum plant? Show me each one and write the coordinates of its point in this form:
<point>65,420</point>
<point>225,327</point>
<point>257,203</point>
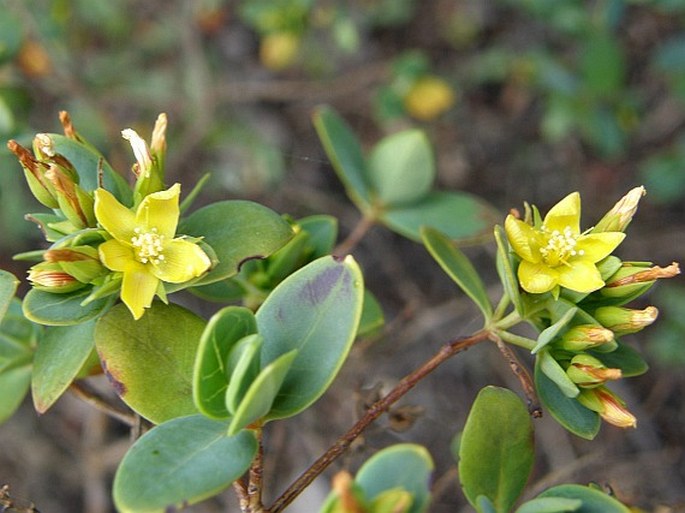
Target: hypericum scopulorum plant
<point>293,304</point>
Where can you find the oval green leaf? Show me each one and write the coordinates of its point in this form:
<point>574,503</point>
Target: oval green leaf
<point>17,344</point>
<point>402,168</point>
<point>259,398</point>
<point>62,309</point>
<point>625,358</point>
<point>316,310</point>
<point>567,411</point>
<point>323,232</point>
<point>405,466</point>
<point>62,351</point>
<point>458,267</point>
<point>8,286</point>
<point>496,449</point>
<point>372,319</point>
<point>210,376</point>
<point>345,153</point>
<point>149,362</point>
<point>237,231</point>
<point>181,462</point>
<point>551,368</point>
<point>594,501</point>
<point>462,217</point>
<point>550,505</point>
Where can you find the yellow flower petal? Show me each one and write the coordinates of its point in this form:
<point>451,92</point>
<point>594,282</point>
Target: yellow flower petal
<point>597,246</point>
<point>522,238</point>
<point>537,278</point>
<point>565,214</point>
<point>183,261</point>
<point>118,257</point>
<point>581,276</point>
<point>114,217</point>
<point>137,291</point>
<point>160,210</point>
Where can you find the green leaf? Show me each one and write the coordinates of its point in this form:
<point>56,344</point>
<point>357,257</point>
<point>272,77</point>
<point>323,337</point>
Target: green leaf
<point>62,309</point>
<point>242,369</point>
<point>550,505</point>
<point>181,462</point>
<point>210,376</point>
<point>625,358</point>
<point>223,291</point>
<point>259,398</point>
<point>316,310</point>
<point>568,412</point>
<point>594,501</point>
<point>345,153</point>
<point>87,162</point>
<point>62,351</point>
<point>458,267</point>
<point>459,215</point>
<point>237,231</point>
<point>506,271</point>
<point>372,315</point>
<point>551,368</point>
<point>8,286</point>
<point>402,168</point>
<point>496,450</point>
<point>484,505</point>
<point>323,232</point>
<point>405,466</point>
<point>17,343</point>
<point>149,362</point>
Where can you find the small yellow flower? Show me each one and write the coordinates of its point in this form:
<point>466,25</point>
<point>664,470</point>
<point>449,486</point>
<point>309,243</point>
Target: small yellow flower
<point>556,253</point>
<point>143,246</point>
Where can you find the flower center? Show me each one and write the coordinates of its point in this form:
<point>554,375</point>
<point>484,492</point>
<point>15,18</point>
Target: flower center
<point>148,245</point>
<point>560,247</point>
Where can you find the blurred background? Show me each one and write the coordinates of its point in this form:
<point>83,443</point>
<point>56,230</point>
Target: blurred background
<point>522,99</point>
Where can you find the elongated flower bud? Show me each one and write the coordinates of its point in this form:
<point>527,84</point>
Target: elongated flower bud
<point>619,217</point>
<point>609,406</point>
<point>622,320</point>
<point>585,336</point>
<point>34,172</point>
<point>633,280</point>
<point>50,277</point>
<point>588,372</point>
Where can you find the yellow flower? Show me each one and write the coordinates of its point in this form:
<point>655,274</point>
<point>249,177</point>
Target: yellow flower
<point>556,253</point>
<point>143,246</point>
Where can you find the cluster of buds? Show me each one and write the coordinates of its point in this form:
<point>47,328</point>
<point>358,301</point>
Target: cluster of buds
<point>558,262</point>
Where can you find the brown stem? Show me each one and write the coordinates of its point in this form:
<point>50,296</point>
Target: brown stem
<point>521,374</point>
<point>241,491</point>
<point>87,393</point>
<point>375,411</point>
<point>254,487</point>
<point>363,226</point>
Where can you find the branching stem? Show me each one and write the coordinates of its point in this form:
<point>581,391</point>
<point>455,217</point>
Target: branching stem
<point>88,394</point>
<point>355,236</point>
<point>376,410</point>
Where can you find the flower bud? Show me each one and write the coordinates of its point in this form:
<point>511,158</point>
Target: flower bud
<point>75,203</point>
<point>633,280</point>
<point>34,171</point>
<point>588,372</point>
<point>585,336</point>
<point>149,164</point>
<point>619,217</point>
<point>609,406</point>
<point>81,262</point>
<point>623,321</point>
<point>50,277</point>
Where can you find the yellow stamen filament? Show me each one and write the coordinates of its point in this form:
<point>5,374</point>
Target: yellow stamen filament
<point>149,245</point>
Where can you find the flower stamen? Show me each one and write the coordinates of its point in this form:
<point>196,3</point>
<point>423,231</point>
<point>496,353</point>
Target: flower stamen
<point>149,245</point>
<point>560,247</point>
